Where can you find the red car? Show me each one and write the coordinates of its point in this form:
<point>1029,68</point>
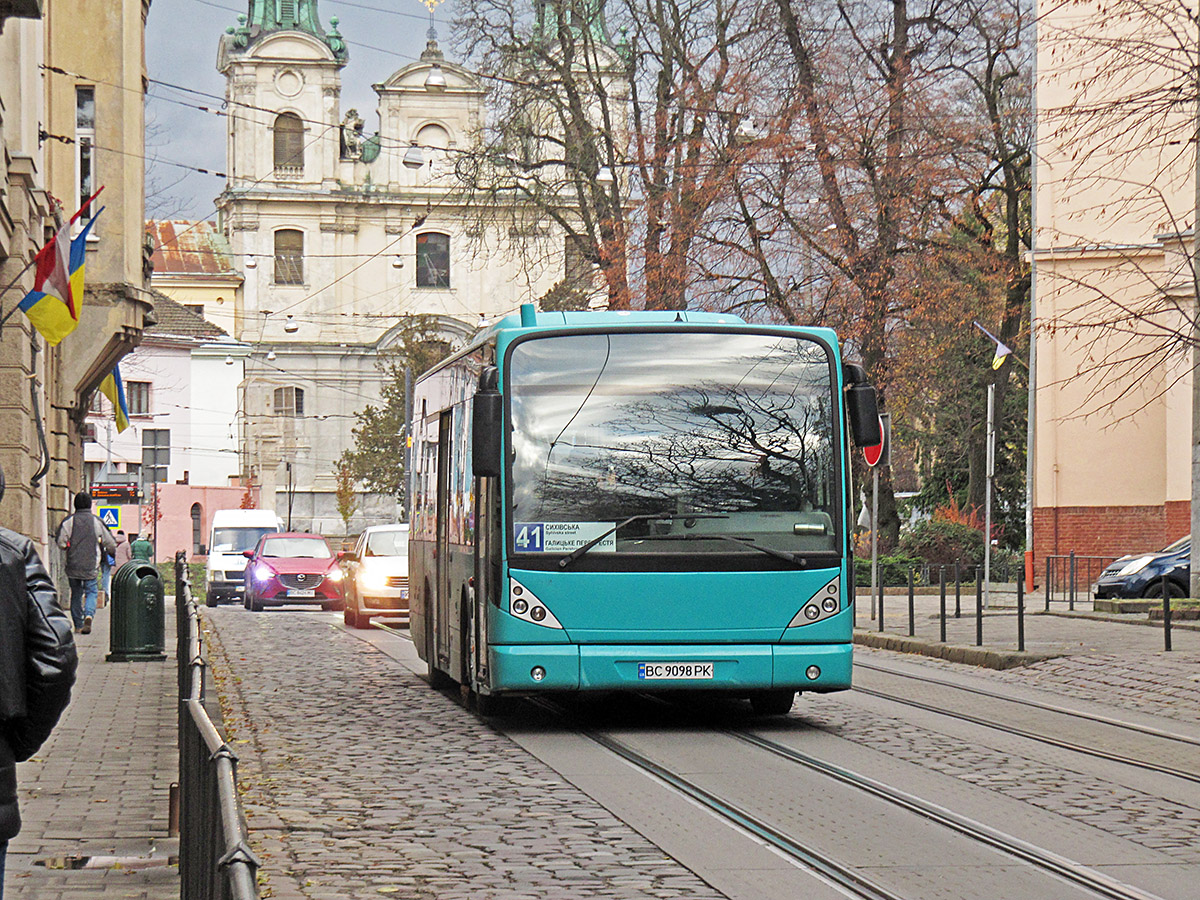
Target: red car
<point>291,568</point>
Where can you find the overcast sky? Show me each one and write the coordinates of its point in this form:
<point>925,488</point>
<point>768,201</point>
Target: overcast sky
<point>181,49</point>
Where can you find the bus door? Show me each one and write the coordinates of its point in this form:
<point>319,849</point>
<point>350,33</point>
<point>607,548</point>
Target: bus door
<point>441,606</point>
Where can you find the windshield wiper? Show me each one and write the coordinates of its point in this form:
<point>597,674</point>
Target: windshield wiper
<point>579,551</point>
<point>740,540</point>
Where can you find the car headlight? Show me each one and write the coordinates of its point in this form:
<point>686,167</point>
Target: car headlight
<point>374,581</point>
<point>334,574</point>
<point>1136,565</point>
<point>262,572</point>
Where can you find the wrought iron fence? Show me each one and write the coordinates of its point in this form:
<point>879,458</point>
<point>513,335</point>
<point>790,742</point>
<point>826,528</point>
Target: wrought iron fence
<point>215,860</point>
<point>1070,578</point>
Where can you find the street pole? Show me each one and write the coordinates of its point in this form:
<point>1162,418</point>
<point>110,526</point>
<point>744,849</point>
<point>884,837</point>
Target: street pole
<point>291,493</point>
<point>874,535</point>
<point>987,502</point>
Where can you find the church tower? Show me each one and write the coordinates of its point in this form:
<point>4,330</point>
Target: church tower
<point>343,233</point>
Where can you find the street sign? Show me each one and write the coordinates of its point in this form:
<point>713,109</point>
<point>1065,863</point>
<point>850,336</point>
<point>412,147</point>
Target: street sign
<point>116,492</point>
<point>881,452</point>
<point>110,515</point>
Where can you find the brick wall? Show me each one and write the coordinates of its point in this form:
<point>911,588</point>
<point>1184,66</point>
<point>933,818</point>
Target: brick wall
<point>1105,530</point>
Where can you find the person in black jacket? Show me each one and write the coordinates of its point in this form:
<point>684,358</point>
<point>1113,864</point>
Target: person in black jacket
<point>37,668</point>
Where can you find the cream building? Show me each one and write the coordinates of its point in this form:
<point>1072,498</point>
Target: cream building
<point>1114,200</point>
<point>341,233</point>
<point>67,129</point>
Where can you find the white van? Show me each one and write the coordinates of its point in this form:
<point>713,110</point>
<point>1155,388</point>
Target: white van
<point>234,530</point>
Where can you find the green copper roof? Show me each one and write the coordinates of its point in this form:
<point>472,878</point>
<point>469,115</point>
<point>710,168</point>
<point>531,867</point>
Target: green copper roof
<point>268,16</point>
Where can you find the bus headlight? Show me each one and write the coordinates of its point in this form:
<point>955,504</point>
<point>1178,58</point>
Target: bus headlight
<point>537,673</point>
<point>374,581</point>
<point>829,604</point>
<point>813,673</point>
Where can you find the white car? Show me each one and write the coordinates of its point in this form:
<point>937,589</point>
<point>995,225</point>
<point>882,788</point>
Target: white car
<point>376,581</point>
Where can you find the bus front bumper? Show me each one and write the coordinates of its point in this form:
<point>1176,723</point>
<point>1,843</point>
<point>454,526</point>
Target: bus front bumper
<point>657,667</point>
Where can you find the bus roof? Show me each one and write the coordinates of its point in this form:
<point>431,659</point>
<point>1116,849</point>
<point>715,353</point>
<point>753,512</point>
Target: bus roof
<point>530,318</point>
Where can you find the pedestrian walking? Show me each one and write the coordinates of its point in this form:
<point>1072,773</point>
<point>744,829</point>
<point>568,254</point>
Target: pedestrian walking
<point>84,538</point>
<point>122,554</point>
<point>37,668</point>
<point>140,547</point>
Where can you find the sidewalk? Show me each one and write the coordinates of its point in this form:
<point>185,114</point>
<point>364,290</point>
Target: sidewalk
<point>97,791</point>
<point>1059,632</point>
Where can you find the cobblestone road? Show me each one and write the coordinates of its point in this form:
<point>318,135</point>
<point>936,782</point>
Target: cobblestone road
<point>416,797</point>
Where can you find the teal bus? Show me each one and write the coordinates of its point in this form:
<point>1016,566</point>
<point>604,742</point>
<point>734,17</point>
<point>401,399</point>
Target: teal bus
<point>636,501</point>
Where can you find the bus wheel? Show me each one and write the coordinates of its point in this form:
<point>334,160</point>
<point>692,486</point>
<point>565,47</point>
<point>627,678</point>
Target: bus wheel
<point>772,703</point>
<point>439,680</point>
<point>491,705</point>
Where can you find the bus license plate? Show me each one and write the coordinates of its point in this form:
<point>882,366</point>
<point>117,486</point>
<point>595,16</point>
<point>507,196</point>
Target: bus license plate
<point>302,592</point>
<point>658,671</point>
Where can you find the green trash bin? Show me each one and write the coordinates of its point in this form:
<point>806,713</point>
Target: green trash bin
<point>137,614</point>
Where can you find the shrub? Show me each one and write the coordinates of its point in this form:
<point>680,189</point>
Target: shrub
<point>941,542</point>
<point>893,570</point>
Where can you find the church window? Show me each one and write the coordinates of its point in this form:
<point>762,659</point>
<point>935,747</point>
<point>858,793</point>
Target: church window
<point>289,401</point>
<point>289,256</point>
<point>289,144</point>
<point>433,137</point>
<point>433,260</point>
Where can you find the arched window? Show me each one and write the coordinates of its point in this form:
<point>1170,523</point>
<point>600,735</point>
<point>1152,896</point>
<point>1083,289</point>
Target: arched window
<point>197,533</point>
<point>434,137</point>
<point>289,256</point>
<point>289,144</point>
<point>289,401</point>
<point>433,260</point>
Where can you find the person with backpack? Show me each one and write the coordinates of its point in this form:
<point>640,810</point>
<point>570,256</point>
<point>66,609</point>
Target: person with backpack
<point>84,538</point>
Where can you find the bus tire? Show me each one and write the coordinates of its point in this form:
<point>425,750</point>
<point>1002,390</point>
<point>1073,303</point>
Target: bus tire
<point>439,680</point>
<point>772,703</point>
<point>492,705</point>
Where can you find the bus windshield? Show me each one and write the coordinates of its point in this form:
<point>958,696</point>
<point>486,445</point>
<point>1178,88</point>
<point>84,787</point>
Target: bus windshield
<point>734,428</point>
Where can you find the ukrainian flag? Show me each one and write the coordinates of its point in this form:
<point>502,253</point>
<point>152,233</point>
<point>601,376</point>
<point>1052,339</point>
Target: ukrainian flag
<point>114,389</point>
<point>53,304</point>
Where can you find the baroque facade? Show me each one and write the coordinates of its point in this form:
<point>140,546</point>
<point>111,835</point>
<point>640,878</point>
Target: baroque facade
<point>342,233</point>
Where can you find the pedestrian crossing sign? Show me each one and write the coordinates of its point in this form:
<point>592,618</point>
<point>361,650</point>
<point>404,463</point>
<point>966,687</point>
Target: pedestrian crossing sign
<point>110,516</point>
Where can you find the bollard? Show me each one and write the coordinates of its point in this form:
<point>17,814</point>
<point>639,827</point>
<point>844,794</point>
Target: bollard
<point>1166,592</point>
<point>912,619</point>
<point>942,616</point>
<point>957,592</point>
<point>1021,609</point>
<point>881,602</point>
<point>1049,585</point>
<point>1071,586</point>
<point>138,622</point>
<point>978,607</point>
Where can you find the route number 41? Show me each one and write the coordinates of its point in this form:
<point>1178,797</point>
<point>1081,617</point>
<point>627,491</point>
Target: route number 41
<point>529,538</point>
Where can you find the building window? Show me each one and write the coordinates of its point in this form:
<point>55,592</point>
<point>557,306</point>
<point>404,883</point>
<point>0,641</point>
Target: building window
<point>156,454</point>
<point>89,433</point>
<point>289,401</point>
<point>133,472</point>
<point>579,270</point>
<point>197,308</point>
<point>137,397</point>
<point>289,144</point>
<point>433,260</point>
<point>197,533</point>
<point>85,144</point>
<point>289,257</point>
<point>91,473</point>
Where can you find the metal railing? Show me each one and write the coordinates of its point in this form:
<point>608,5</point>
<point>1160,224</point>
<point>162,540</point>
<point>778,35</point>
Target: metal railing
<point>1070,578</point>
<point>215,860</point>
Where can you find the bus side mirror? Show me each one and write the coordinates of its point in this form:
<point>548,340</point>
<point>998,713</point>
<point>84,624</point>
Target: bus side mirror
<point>487,413</point>
<point>862,407</point>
